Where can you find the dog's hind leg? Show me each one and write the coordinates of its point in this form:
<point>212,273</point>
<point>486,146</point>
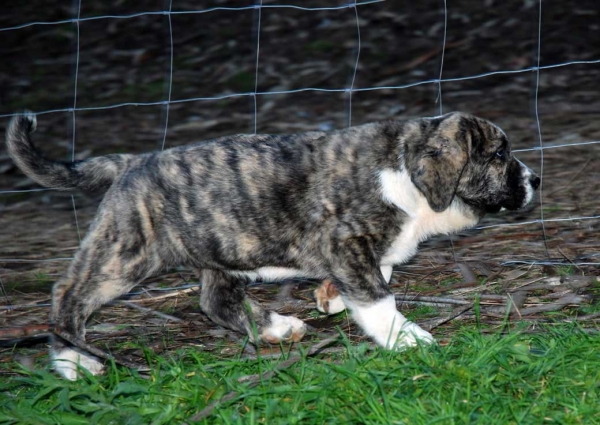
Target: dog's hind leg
<point>329,299</point>
<point>102,270</point>
<point>224,301</point>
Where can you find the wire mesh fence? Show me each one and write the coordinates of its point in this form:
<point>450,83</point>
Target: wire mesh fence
<point>161,22</point>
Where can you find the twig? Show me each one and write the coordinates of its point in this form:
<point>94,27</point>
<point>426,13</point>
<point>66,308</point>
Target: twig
<point>517,299</point>
<point>568,282</point>
<point>467,273</point>
<point>454,314</point>
<point>149,310</point>
<point>592,316</point>
<point>4,293</point>
<point>254,380</point>
<point>514,303</point>
<point>516,288</point>
<point>23,306</point>
<point>427,304</point>
<point>24,331</point>
<point>562,188</point>
<point>565,255</point>
<point>79,343</point>
<point>317,348</point>
<point>558,305</point>
<point>169,295</point>
<point>436,300</point>
<point>449,288</point>
<point>291,303</point>
<point>275,356</point>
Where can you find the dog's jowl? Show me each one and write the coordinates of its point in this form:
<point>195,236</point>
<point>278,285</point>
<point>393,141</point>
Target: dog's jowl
<point>345,206</point>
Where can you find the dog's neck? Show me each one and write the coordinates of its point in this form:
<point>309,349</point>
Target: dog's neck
<point>398,189</point>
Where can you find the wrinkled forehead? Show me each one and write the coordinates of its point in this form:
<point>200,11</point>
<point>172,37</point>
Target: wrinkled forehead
<point>473,133</point>
<point>484,136</point>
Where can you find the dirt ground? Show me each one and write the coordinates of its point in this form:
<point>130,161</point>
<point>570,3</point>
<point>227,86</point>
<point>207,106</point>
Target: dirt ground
<point>214,55</point>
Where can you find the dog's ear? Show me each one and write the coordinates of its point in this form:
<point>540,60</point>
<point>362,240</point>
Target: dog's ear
<point>436,164</point>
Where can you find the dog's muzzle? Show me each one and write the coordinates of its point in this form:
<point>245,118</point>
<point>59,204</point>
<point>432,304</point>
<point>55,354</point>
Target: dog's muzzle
<point>532,182</point>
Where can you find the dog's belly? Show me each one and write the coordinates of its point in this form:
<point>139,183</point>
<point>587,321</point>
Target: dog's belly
<point>271,273</point>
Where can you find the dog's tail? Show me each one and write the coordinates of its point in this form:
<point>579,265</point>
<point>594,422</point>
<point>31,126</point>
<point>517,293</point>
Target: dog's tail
<point>89,175</point>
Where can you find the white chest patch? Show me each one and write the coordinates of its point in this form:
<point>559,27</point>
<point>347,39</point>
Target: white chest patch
<point>422,222</point>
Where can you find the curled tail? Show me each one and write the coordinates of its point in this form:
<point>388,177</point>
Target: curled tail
<point>89,175</point>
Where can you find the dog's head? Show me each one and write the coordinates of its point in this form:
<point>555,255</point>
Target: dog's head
<point>463,156</point>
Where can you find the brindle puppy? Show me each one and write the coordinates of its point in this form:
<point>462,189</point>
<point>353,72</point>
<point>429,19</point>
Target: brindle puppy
<point>343,205</point>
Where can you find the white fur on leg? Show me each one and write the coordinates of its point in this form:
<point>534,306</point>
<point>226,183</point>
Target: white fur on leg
<point>387,326</point>
<point>386,271</point>
<point>65,363</point>
<point>283,328</point>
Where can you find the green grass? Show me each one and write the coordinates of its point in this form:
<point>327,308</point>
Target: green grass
<point>565,270</point>
<point>421,312</point>
<point>550,377</point>
<point>35,282</point>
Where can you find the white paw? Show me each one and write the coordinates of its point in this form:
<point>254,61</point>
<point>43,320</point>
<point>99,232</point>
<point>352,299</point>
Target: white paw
<point>412,334</point>
<point>387,326</point>
<point>334,305</point>
<point>283,328</point>
<point>65,362</point>
<point>329,300</point>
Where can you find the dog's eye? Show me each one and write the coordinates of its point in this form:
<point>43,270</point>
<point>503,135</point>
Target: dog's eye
<point>501,153</point>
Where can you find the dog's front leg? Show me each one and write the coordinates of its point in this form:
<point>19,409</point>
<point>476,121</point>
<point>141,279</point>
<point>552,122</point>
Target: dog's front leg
<point>366,294</point>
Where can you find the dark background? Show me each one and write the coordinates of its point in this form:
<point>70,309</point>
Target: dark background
<point>214,54</point>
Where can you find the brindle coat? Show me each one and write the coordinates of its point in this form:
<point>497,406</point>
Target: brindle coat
<point>316,204</point>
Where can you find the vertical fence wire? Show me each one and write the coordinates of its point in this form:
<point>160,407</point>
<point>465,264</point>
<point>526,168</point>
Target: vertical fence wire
<point>439,98</point>
<point>441,103</point>
<point>168,101</point>
<point>539,130</point>
<point>256,63</point>
<point>541,147</point>
<point>358,47</point>
<point>73,119</point>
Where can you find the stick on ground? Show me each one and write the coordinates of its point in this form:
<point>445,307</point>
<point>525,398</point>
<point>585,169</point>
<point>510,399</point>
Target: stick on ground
<point>254,380</point>
<point>24,331</point>
<point>150,311</point>
<point>454,314</point>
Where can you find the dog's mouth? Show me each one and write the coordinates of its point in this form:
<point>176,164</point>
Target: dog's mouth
<point>530,206</point>
<point>493,209</point>
<point>523,202</point>
<point>522,185</point>
<point>529,203</point>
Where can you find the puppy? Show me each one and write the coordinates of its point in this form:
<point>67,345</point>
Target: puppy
<point>344,205</point>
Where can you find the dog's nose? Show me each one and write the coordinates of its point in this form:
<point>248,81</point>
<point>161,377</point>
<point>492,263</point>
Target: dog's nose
<point>535,181</point>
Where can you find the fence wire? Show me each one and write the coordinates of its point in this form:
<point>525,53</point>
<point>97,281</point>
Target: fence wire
<point>349,90</point>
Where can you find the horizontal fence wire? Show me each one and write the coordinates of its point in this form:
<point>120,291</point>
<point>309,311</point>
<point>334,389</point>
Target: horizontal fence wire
<point>312,89</point>
<point>541,147</point>
<point>190,12</point>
